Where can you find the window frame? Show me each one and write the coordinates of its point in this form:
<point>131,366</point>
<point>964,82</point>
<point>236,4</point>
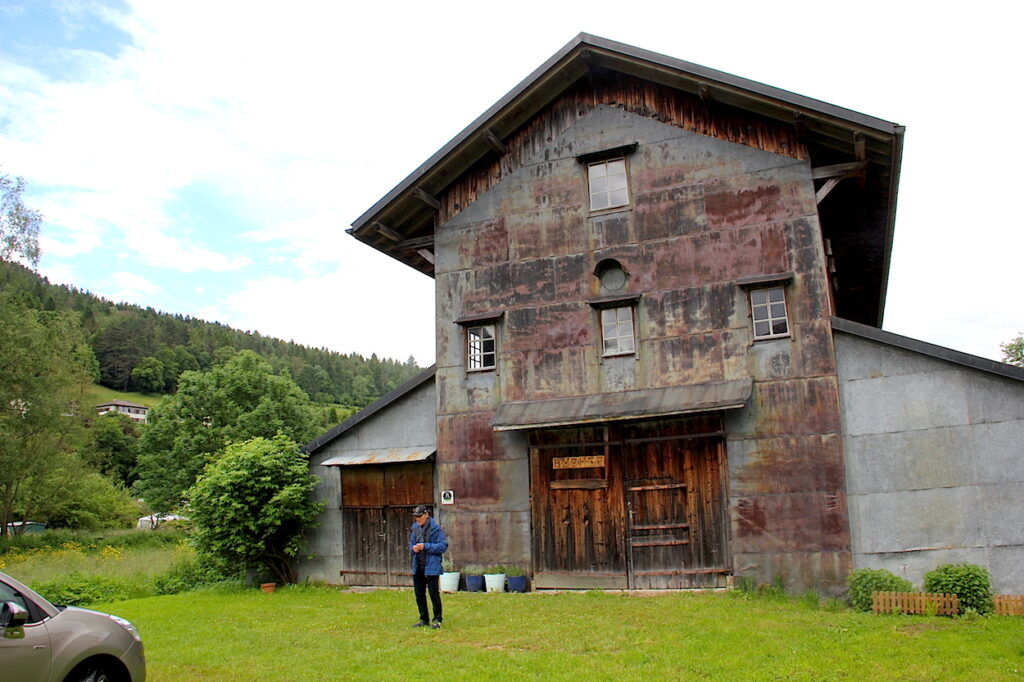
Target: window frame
<point>630,302</point>
<point>771,317</point>
<point>604,157</point>
<point>469,324</point>
<point>608,192</point>
<point>481,354</point>
<point>618,322</point>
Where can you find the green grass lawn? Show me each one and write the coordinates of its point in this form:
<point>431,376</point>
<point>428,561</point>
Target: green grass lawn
<point>97,395</point>
<point>312,633</point>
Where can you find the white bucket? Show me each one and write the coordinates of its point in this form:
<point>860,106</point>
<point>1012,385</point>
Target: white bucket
<point>449,581</point>
<point>495,582</point>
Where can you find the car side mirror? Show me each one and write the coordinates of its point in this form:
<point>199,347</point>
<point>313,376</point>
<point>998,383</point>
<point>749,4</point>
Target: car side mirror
<point>12,615</point>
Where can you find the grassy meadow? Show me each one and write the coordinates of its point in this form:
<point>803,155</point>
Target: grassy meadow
<point>309,632</point>
<point>320,633</point>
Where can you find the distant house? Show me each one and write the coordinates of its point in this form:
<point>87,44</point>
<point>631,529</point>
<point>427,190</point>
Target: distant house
<point>135,412</point>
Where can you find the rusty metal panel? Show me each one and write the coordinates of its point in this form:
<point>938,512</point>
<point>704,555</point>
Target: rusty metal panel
<point>794,522</point>
<point>604,407</point>
<point>382,456</point>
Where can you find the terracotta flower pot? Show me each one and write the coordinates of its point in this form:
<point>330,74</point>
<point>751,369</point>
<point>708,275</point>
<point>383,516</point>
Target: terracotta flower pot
<point>268,587</point>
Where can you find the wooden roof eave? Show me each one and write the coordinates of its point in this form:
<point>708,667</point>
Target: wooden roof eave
<point>826,125</point>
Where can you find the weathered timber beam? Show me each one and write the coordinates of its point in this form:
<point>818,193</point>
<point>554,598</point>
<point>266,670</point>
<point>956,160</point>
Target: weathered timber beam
<point>839,170</point>
<point>387,232</point>
<point>427,199</point>
<point>417,243</point>
<point>494,143</point>
<point>829,185</point>
<point>427,255</point>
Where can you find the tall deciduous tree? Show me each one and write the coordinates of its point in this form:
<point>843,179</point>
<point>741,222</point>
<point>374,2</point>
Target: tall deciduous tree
<point>45,365</point>
<point>19,225</point>
<point>233,402</point>
<point>1013,352</point>
<point>251,505</point>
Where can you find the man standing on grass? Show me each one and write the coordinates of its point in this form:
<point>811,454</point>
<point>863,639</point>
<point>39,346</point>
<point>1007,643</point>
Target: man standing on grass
<point>426,544</point>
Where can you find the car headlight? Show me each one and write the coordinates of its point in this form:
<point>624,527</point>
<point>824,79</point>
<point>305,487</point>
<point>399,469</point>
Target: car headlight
<point>132,630</point>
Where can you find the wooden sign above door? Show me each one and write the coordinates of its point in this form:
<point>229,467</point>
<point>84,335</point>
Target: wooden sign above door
<point>577,462</point>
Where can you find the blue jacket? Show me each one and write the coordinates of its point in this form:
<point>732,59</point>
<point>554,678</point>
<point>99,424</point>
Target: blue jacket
<point>434,544</point>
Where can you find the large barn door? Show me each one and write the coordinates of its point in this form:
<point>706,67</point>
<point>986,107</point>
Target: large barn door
<point>376,506</point>
<point>676,515</point>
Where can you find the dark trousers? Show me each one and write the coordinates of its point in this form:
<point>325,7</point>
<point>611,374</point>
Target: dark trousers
<point>420,585</point>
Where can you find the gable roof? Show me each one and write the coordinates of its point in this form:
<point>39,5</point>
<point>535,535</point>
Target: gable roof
<point>404,213</point>
<point>371,409</point>
<point>940,352</point>
<point>122,403</point>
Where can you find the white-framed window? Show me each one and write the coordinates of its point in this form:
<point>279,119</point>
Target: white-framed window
<point>480,347</point>
<point>617,331</point>
<point>768,311</point>
<point>609,187</point>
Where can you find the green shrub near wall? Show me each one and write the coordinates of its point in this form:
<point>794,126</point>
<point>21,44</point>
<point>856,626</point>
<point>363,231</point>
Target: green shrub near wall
<point>864,581</point>
<point>970,582</point>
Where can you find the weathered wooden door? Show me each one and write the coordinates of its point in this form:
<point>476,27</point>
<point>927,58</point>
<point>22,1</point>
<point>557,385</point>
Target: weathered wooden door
<point>377,502</point>
<point>577,509</point>
<point>639,505</point>
<point>675,506</point>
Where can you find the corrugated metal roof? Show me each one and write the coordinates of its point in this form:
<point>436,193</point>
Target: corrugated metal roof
<point>657,402</point>
<point>387,456</point>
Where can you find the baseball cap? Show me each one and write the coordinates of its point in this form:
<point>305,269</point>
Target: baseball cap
<point>420,510</point>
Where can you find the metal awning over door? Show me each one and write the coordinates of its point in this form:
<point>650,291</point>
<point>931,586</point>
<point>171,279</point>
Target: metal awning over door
<point>607,407</point>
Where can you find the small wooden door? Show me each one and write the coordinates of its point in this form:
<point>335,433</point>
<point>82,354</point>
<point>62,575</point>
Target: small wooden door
<point>377,502</point>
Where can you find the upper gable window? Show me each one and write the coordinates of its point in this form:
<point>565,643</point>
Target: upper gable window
<point>608,185</point>
<point>480,347</point>
<point>768,310</point>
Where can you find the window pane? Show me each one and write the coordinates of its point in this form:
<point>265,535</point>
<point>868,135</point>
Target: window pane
<point>778,309</point>
<point>627,343</point>
<point>780,327</point>
<point>757,297</point>
<point>617,166</point>
<point>761,329</point>
<point>598,201</point>
<point>598,170</point>
<point>598,184</point>
<point>611,346</point>
<point>775,294</point>
<point>619,197</point>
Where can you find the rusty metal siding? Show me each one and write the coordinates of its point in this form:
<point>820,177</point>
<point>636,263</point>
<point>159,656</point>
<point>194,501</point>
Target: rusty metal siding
<point>685,111</point>
<point>734,201</point>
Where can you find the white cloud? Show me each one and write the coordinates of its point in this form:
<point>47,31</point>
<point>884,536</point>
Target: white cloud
<point>133,288</point>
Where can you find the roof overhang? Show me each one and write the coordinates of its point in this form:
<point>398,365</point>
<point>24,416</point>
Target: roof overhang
<point>603,407</point>
<point>383,456</point>
<point>403,217</point>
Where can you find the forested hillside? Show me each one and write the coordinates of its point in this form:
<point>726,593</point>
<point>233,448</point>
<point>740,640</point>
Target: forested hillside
<point>141,349</point>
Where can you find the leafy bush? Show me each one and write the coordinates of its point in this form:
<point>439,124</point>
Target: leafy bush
<point>252,504</point>
<point>192,572</point>
<point>864,581</point>
<point>78,589</point>
<point>970,582</point>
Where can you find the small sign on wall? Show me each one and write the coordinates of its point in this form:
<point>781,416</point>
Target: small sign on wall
<point>447,497</point>
<point>577,462</point>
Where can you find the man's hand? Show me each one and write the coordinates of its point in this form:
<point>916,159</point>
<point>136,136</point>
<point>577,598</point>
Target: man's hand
<point>417,547</point>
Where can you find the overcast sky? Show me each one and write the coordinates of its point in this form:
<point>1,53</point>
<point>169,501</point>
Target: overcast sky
<point>205,157</point>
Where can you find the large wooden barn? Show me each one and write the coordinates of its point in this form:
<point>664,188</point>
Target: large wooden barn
<point>659,293</point>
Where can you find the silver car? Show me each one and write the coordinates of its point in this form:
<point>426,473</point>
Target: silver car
<point>40,641</point>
